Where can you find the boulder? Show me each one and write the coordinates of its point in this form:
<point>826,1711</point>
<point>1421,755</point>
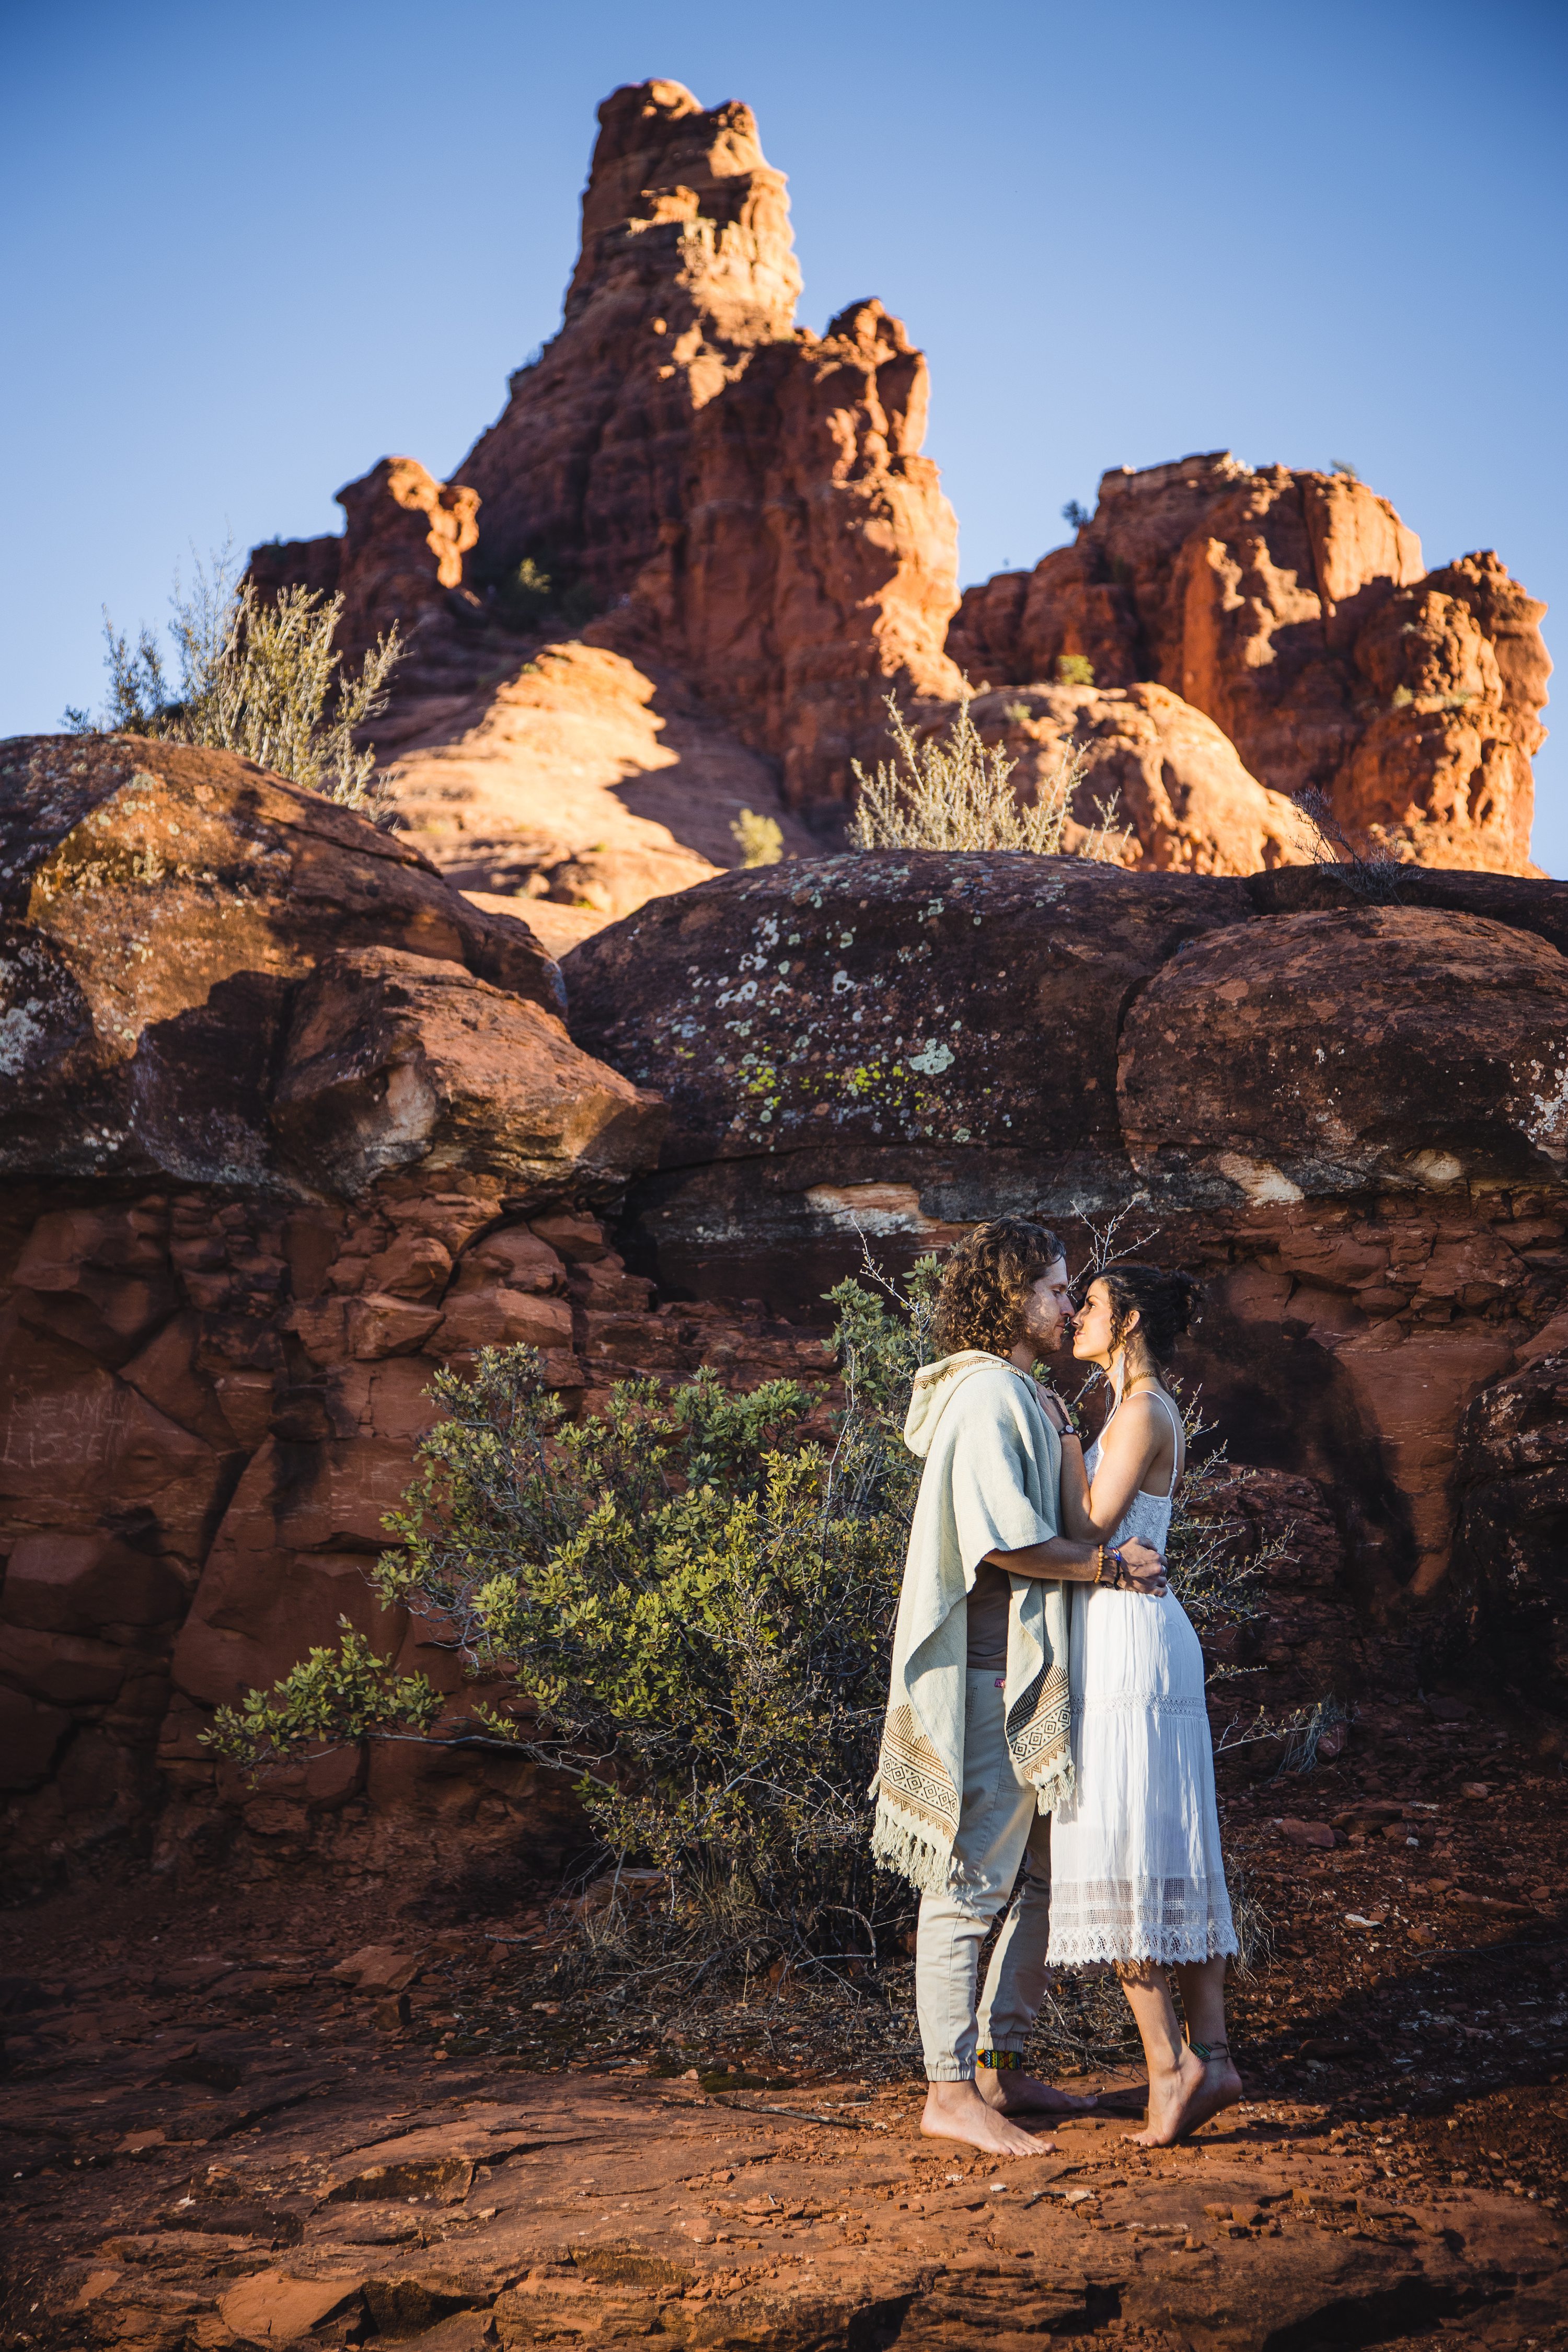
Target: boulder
<point>1164,778</point>
<point>879,1017</point>
<point>1389,1049</point>
<point>158,904</point>
<point>393,1059</point>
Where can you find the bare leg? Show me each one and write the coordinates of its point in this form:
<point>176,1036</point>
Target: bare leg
<point>957,2111</point>
<point>1201,1984</point>
<point>1177,2075</point>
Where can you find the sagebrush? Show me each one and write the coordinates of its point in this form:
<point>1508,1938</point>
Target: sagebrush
<point>257,676</point>
<point>958,794</point>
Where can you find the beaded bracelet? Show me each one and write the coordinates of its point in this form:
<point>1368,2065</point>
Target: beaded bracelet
<point>1002,2062</point>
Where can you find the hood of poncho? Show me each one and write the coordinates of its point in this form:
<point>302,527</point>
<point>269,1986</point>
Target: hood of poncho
<point>935,1386</point>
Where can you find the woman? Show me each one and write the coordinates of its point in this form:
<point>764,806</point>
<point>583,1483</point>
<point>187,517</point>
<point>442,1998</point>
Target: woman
<point>1137,1877</point>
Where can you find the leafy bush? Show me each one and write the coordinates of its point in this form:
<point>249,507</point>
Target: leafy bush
<point>958,795</point>
<point>1074,669</point>
<point>1075,514</point>
<point>257,675</point>
<point>692,1598</point>
<point>759,839</point>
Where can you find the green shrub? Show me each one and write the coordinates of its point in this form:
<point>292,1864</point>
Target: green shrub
<point>759,839</point>
<point>691,1598</point>
<point>1074,669</point>
<point>257,675</point>
<point>524,595</point>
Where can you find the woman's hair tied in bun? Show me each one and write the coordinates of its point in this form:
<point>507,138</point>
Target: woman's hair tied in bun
<point>1165,1302</point>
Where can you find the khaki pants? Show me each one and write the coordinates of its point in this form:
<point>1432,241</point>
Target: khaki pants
<point>998,1828</point>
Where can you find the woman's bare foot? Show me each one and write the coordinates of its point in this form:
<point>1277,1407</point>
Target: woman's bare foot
<point>1009,2092</point>
<point>1176,2097</point>
<point>1222,2088</point>
<point>957,2111</point>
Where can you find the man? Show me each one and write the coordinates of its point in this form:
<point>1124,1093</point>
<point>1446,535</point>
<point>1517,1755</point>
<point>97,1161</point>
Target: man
<point>975,1750</point>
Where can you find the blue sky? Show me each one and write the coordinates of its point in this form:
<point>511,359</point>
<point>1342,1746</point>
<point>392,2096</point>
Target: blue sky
<point>247,252</point>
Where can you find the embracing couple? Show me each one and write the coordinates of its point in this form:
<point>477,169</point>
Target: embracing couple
<point>1047,1750</point>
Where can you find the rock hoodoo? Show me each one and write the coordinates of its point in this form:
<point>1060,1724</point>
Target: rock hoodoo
<point>744,509</point>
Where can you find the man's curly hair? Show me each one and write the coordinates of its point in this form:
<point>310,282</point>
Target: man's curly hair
<point>986,1282</point>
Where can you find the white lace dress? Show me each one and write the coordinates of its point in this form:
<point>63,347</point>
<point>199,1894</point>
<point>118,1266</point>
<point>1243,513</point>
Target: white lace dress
<point>1136,1871</point>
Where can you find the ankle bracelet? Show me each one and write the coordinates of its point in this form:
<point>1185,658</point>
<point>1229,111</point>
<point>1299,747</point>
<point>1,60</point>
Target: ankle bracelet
<point>1207,2050</point>
<point>1004,2062</point>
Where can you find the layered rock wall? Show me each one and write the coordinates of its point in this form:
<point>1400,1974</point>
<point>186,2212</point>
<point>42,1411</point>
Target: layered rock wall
<point>290,1125</point>
<point>287,1126</point>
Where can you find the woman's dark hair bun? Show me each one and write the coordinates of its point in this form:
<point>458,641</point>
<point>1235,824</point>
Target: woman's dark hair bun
<point>1166,1301</point>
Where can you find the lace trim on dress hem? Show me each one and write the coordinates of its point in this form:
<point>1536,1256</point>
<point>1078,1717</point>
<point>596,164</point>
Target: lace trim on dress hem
<point>1170,1946</point>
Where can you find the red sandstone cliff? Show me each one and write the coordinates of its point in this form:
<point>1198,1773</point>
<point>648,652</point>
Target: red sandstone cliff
<point>745,507</point>
<point>1293,611</point>
<point>285,1124</point>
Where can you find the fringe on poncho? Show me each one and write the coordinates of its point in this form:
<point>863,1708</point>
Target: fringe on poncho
<point>991,1483</point>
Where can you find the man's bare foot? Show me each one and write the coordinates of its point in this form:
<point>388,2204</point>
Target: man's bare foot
<point>1176,2097</point>
<point>1013,2092</point>
<point>957,2111</point>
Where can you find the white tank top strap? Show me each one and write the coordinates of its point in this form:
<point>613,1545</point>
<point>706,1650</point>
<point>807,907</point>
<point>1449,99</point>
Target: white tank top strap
<point>1177,1443</point>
